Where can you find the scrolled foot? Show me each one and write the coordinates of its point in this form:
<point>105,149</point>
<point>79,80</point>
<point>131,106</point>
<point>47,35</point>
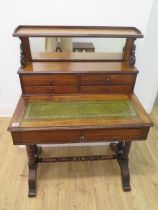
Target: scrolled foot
<point>125,175</point>
<point>32,181</point>
<point>31,193</point>
<point>126,188</point>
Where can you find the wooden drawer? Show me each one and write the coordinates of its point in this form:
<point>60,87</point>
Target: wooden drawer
<point>103,79</point>
<point>106,89</point>
<point>69,89</point>
<point>78,136</point>
<point>49,80</point>
<point>46,137</point>
<point>114,134</point>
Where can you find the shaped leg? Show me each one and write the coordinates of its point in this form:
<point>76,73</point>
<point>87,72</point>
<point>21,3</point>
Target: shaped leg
<point>122,150</point>
<point>123,162</point>
<point>32,162</point>
<point>36,150</point>
<point>125,175</point>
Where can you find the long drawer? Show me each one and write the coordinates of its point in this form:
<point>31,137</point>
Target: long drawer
<point>90,79</point>
<point>49,80</point>
<point>70,89</point>
<point>78,136</point>
<point>67,89</point>
<point>106,89</point>
<point>103,79</point>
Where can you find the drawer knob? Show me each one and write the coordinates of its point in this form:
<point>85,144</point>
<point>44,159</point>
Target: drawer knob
<point>50,88</point>
<point>50,81</point>
<point>106,87</point>
<point>107,80</point>
<point>82,139</point>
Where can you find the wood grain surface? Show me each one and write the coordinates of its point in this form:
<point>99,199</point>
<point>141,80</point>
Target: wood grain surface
<point>80,67</point>
<point>77,31</point>
<point>79,185</point>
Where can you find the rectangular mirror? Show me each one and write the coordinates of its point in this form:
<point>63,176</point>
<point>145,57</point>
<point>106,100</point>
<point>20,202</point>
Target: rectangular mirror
<point>74,48</point>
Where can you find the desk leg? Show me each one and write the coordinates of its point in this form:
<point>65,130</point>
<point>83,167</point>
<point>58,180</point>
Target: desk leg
<point>32,151</point>
<point>122,150</point>
<point>36,150</point>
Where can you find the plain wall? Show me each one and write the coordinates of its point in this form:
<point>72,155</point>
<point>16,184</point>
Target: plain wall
<point>100,12</point>
<point>147,81</point>
<point>156,100</point>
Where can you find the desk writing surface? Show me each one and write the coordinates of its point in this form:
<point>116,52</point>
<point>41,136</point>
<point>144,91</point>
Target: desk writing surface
<point>60,110</point>
<point>82,111</point>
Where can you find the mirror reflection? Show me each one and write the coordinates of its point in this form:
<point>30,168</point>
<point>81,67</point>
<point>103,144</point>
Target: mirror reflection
<point>74,44</point>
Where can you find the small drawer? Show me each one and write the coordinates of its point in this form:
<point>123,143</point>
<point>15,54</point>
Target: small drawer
<point>49,80</point>
<point>112,134</point>
<point>106,89</point>
<point>69,89</point>
<point>104,79</point>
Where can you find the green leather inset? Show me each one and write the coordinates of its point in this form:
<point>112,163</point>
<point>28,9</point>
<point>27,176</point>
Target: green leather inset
<point>59,110</point>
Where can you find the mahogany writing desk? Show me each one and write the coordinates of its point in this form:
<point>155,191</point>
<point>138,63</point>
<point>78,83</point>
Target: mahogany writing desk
<point>78,97</point>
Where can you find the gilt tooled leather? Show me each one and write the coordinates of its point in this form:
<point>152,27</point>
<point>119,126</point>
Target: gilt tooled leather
<point>78,109</point>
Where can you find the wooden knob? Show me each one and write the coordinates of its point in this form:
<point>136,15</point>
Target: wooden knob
<point>106,87</point>
<point>50,81</point>
<point>82,139</point>
<point>50,89</point>
<point>107,80</point>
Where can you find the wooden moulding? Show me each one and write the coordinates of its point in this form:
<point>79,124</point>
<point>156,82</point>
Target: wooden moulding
<point>77,67</point>
<point>77,31</point>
